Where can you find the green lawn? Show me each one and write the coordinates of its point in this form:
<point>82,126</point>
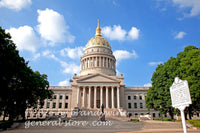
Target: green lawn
<point>195,123</point>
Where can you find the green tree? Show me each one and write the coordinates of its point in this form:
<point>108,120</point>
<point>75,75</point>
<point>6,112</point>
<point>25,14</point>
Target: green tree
<point>20,85</point>
<point>185,66</point>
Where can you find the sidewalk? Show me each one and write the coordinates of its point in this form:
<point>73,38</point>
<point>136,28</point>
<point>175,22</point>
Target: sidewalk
<point>166,127</point>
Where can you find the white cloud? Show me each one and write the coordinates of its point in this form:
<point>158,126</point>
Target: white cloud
<point>123,54</point>
<point>180,35</point>
<point>52,27</point>
<point>133,33</point>
<point>148,85</point>
<point>64,83</point>
<point>72,68</point>
<point>15,4</point>
<point>117,33</point>
<point>69,68</point>
<point>36,56</point>
<point>193,5</point>
<point>155,63</point>
<point>24,37</point>
<point>73,53</point>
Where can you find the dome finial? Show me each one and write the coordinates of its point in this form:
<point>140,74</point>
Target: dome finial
<point>98,30</point>
<point>98,22</point>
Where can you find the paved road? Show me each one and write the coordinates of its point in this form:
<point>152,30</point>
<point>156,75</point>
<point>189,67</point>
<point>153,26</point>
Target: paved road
<point>115,126</point>
<point>110,126</point>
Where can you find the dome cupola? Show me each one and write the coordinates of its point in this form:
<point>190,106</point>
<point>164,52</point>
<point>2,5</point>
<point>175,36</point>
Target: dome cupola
<point>98,56</point>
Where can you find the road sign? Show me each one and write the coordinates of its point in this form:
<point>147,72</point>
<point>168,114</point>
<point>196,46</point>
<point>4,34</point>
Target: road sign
<point>180,96</point>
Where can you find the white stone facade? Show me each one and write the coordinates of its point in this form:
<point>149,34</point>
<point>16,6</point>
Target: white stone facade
<point>97,85</point>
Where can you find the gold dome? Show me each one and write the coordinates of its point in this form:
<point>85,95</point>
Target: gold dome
<point>98,40</point>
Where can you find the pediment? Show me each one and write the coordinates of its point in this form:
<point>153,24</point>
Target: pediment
<point>95,78</point>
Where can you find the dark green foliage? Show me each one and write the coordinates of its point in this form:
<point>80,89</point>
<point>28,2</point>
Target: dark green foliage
<point>133,120</point>
<point>186,66</point>
<point>20,85</point>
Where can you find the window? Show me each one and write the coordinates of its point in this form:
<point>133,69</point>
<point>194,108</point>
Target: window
<point>66,97</point>
<point>60,97</point>
<point>41,115</point>
<point>129,97</point>
<point>140,97</point>
<point>66,105</point>
<point>129,105</point>
<point>154,115</point>
<point>141,105</point>
<point>136,114</point>
<point>54,105</point>
<point>48,104</point>
<point>142,114</point>
<point>135,97</point>
<point>135,105</point>
<point>60,105</point>
<point>54,97</point>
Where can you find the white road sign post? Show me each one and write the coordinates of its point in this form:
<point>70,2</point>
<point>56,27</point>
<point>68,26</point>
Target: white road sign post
<point>180,96</point>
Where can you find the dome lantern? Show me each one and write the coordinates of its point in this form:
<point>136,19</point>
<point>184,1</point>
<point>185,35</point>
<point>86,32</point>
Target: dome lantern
<point>98,30</point>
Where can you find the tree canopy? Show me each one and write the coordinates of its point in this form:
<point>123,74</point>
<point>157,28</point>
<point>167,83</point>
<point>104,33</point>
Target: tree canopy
<point>186,66</point>
<point>20,85</point>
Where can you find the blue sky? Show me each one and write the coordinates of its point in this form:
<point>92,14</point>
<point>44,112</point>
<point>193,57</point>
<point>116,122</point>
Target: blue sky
<point>51,34</point>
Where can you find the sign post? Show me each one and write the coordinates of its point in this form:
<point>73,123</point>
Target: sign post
<point>180,96</point>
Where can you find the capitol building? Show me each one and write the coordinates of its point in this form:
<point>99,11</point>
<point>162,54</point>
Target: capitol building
<point>98,84</point>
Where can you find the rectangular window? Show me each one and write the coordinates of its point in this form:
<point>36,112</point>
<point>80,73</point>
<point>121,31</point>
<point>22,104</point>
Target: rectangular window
<point>154,115</point>
<point>61,97</point>
<point>48,104</point>
<point>129,97</point>
<point>140,97</point>
<point>54,105</point>
<point>66,97</point>
<point>54,97</point>
<point>129,105</point>
<point>135,105</point>
<point>66,105</point>
<point>141,105</point>
<point>60,105</point>
<point>135,97</point>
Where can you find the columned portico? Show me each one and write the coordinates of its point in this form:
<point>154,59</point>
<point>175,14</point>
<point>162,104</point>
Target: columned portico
<point>90,102</point>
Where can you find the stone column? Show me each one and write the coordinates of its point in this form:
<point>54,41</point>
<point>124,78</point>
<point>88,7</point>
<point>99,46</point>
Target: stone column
<point>96,62</point>
<point>107,62</point>
<point>93,62</point>
<point>100,61</point>
<point>118,98</point>
<point>83,105</point>
<point>51,104</point>
<point>78,91</point>
<point>112,97</point>
<point>103,62</point>
<point>45,104</point>
<point>106,96</point>
<point>101,98</point>
<point>57,101</point>
<point>89,98</point>
<point>95,97</point>
<point>63,102</point>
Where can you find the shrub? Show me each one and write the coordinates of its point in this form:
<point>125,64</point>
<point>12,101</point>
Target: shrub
<point>167,119</point>
<point>134,120</point>
<point>195,123</point>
